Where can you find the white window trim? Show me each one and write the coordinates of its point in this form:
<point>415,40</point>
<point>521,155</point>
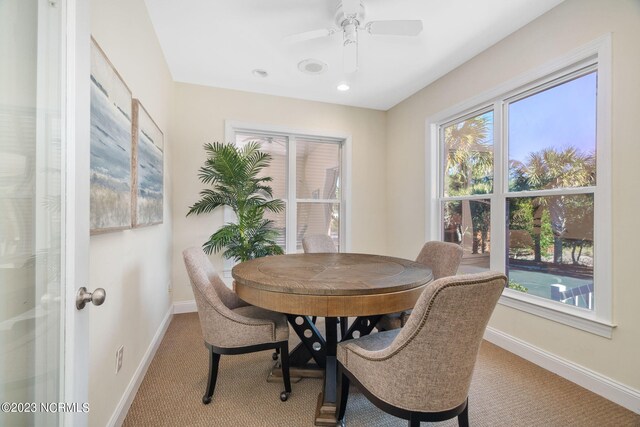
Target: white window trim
<point>233,126</point>
<point>600,320</point>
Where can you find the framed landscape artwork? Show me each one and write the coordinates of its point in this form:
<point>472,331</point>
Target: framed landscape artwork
<point>110,146</point>
<point>147,165</point>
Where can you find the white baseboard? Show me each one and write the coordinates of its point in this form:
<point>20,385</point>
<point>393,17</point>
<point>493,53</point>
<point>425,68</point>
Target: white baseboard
<point>606,387</point>
<point>184,307</point>
<point>130,392</point>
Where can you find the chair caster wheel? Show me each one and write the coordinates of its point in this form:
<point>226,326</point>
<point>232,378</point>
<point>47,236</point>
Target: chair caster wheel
<point>274,356</point>
<point>284,396</point>
<point>206,400</point>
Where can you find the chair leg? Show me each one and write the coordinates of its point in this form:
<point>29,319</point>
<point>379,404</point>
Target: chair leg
<point>414,421</point>
<point>463,418</point>
<point>313,319</point>
<point>343,396</point>
<point>284,356</point>
<point>214,362</point>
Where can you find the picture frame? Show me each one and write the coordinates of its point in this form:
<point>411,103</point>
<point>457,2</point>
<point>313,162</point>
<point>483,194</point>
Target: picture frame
<point>110,146</point>
<point>147,163</point>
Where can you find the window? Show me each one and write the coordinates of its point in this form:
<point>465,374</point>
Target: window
<point>468,179</point>
<point>551,147</point>
<point>519,178</point>
<point>308,175</point>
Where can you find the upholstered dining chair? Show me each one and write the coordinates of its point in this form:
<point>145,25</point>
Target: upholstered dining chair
<point>322,243</point>
<point>443,258</point>
<point>230,325</point>
<point>318,243</point>
<point>423,371</point>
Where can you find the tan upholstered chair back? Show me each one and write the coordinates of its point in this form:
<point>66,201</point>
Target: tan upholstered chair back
<point>429,365</point>
<point>442,258</point>
<point>318,243</point>
<point>206,279</point>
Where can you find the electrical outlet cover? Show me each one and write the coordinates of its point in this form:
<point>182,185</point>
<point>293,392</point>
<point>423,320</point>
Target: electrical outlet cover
<point>119,355</point>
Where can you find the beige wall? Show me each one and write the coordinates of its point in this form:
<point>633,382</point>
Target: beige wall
<point>199,114</point>
<point>133,266</point>
<point>568,26</point>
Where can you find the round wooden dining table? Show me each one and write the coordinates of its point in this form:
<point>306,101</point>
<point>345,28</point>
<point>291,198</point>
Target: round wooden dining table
<point>330,285</point>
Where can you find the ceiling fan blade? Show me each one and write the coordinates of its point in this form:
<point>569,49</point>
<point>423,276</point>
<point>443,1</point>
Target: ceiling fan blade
<point>350,58</point>
<point>350,7</point>
<point>309,35</point>
<point>395,28</point>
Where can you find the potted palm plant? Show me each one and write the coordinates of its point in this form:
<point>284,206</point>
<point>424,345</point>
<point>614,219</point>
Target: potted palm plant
<point>234,177</point>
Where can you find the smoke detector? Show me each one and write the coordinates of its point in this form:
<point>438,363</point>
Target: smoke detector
<point>312,66</point>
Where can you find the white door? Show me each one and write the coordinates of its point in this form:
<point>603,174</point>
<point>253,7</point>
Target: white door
<point>44,232</point>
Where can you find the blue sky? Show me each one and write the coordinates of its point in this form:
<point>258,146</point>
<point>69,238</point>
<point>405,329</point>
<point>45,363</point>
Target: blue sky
<point>559,117</point>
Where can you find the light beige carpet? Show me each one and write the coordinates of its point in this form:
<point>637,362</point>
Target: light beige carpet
<point>506,391</point>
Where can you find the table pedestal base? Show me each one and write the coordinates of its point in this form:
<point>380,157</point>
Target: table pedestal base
<point>325,413</point>
<point>296,373</point>
<point>323,352</point>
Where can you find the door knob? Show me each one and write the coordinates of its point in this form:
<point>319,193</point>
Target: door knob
<point>97,297</point>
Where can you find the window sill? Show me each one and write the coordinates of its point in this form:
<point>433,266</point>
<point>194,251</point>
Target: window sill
<point>571,316</point>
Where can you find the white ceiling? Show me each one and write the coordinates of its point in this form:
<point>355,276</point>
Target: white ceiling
<point>219,42</point>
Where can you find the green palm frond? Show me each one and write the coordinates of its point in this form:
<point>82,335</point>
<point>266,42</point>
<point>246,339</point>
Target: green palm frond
<point>221,238</point>
<point>275,205</point>
<point>211,200</point>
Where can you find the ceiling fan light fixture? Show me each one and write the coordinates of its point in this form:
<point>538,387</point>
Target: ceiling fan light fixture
<point>350,19</point>
<point>343,87</point>
<point>350,33</point>
<point>312,66</point>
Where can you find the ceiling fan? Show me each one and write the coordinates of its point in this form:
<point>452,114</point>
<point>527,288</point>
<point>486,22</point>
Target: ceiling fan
<point>349,18</point>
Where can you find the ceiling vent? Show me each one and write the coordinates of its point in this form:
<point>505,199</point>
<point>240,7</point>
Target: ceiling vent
<point>312,66</point>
